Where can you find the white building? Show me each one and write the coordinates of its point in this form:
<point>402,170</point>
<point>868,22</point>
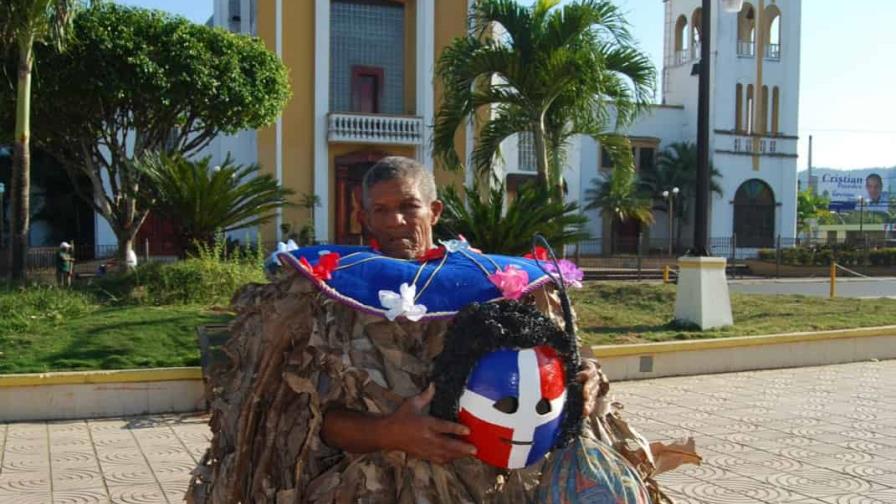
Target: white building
<point>753,126</point>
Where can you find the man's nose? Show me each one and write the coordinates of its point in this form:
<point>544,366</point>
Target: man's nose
<point>395,219</point>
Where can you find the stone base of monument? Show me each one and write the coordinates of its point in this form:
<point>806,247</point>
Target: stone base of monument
<point>702,297</point>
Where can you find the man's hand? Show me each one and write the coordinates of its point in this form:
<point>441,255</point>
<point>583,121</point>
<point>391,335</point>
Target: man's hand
<point>422,436</point>
<point>592,385</point>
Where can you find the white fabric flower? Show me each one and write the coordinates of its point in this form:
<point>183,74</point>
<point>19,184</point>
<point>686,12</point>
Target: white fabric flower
<point>402,304</point>
<point>454,246</point>
<point>282,247</point>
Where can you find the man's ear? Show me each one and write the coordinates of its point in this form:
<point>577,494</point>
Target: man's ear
<point>436,208</point>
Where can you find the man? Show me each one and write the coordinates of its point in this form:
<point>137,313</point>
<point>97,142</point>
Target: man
<point>64,265</point>
<point>326,403</point>
<point>874,184</point>
<point>400,210</point>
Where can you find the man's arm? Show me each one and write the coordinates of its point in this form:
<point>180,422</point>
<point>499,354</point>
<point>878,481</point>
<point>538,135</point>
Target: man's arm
<point>408,430</point>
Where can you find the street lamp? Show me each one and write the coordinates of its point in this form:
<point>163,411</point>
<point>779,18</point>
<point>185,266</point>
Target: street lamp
<point>703,297</point>
<point>670,199</point>
<point>701,212</point>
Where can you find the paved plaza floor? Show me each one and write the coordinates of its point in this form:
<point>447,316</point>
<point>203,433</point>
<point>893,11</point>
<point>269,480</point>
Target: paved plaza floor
<point>796,436</point>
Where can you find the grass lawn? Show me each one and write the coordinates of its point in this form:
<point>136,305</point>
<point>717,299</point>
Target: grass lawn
<point>620,312</point>
<point>42,330</point>
<point>48,329</point>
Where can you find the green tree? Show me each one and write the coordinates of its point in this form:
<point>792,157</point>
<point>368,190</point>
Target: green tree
<point>499,226</point>
<point>546,70</point>
<point>136,81</point>
<point>676,166</point>
<point>620,197</point>
<point>202,201</point>
<point>810,206</point>
<point>23,25</point>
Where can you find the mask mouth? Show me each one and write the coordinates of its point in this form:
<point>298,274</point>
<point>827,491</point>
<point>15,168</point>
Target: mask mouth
<point>521,443</point>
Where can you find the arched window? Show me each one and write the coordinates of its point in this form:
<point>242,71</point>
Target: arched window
<point>746,31</point>
<point>750,126</point>
<point>681,40</point>
<point>776,110</point>
<point>764,116</point>
<point>772,29</point>
<point>739,108</point>
<point>754,214</point>
<point>696,34</point>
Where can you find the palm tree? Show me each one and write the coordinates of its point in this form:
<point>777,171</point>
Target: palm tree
<point>676,166</point>
<point>24,23</point>
<point>546,70</point>
<point>487,225</point>
<point>620,197</point>
<point>810,206</point>
<point>203,201</point>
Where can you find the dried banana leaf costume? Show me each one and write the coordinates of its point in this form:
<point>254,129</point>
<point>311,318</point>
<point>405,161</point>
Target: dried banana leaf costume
<point>319,336</point>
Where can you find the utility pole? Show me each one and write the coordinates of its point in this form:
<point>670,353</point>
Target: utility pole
<point>701,211</point>
<point>811,189</point>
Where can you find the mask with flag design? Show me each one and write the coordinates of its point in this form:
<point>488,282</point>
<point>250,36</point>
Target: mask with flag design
<point>508,373</point>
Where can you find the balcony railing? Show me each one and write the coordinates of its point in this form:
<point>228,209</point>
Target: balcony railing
<point>375,129</point>
<point>682,56</point>
<point>773,52</point>
<point>746,49</point>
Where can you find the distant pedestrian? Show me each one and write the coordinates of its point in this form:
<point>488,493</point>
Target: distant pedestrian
<point>65,265</point>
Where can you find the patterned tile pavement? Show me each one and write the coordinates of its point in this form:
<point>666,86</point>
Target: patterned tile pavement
<point>824,435</point>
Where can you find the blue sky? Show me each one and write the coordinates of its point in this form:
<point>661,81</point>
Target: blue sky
<point>846,98</point>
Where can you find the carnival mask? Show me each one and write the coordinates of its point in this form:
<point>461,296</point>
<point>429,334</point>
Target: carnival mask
<point>507,372</point>
<point>513,404</point>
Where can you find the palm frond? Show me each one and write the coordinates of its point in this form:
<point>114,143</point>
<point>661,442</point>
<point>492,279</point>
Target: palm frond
<point>202,200</point>
<point>489,226</point>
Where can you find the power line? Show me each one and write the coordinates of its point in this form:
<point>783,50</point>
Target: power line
<point>869,132</point>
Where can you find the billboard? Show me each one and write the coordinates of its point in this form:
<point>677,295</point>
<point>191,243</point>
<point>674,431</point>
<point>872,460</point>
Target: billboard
<point>846,190</point>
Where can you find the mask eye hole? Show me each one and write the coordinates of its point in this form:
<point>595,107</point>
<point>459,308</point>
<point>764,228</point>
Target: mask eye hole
<point>508,405</point>
<point>543,407</point>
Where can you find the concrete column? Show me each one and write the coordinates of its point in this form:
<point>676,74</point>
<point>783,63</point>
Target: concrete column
<point>425,74</point>
<point>321,109</point>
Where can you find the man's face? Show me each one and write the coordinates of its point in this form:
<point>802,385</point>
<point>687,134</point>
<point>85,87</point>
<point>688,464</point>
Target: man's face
<point>874,188</point>
<point>399,218</point>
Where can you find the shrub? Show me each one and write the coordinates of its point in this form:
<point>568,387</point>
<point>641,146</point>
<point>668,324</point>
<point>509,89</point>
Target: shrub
<point>822,255</point>
<point>210,277</point>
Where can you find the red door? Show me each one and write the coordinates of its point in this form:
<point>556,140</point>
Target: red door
<point>161,236</point>
<point>367,89</point>
<point>350,170</point>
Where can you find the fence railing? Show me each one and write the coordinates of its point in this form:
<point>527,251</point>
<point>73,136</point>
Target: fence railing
<point>617,252</point>
<point>730,247</point>
<point>375,128</point>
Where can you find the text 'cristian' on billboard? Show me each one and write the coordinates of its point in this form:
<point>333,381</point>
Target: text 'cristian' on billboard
<point>849,192</point>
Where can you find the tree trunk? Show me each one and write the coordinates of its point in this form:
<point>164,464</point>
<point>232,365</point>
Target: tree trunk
<point>20,200</point>
<point>125,247</point>
<point>556,171</point>
<point>539,137</point>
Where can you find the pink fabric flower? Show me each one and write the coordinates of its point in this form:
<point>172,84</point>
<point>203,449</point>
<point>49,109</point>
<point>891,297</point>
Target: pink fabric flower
<point>572,275</point>
<point>511,282</point>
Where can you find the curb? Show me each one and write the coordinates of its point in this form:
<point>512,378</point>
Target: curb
<point>96,394</point>
<point>85,394</point>
<point>97,377</point>
<point>696,357</point>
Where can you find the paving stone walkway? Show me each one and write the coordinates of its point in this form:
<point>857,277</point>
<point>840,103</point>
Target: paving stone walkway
<point>824,435</point>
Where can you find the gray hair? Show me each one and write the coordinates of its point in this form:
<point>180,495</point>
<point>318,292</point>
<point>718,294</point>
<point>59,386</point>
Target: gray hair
<point>398,168</point>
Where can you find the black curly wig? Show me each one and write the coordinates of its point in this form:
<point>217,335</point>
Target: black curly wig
<point>480,329</point>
